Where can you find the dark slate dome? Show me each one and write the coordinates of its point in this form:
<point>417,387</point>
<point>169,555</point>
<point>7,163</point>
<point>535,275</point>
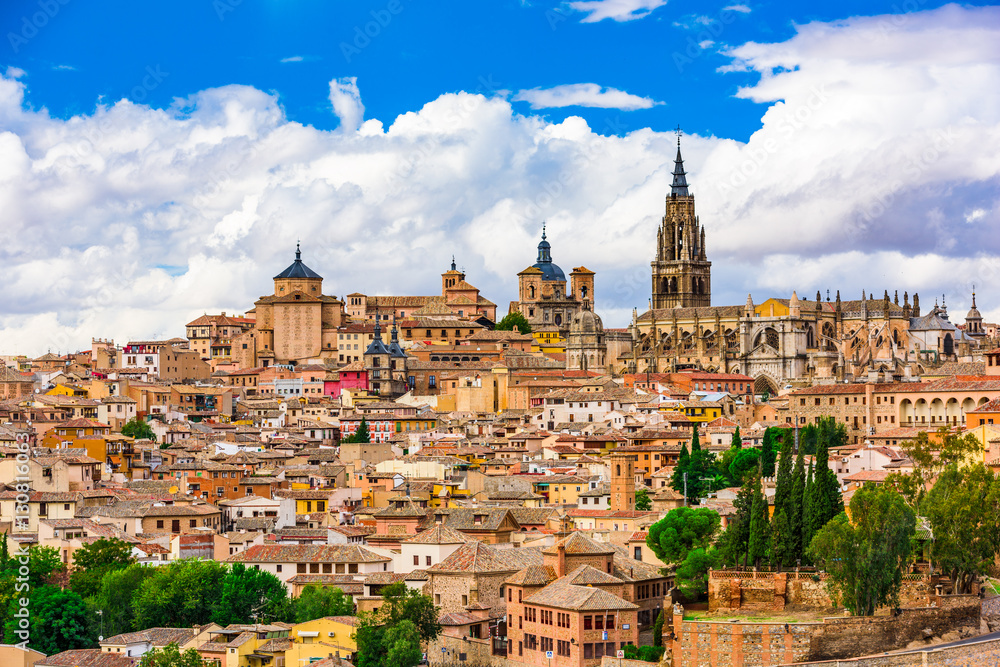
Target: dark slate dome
<point>544,263</point>
<point>297,269</point>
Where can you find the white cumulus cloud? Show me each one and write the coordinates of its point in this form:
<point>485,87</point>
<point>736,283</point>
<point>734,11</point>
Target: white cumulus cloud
<point>583,95</point>
<point>616,10</point>
<point>875,167</point>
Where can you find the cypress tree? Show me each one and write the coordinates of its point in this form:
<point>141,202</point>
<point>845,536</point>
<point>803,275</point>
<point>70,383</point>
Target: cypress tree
<point>781,544</point>
<point>739,527</point>
<point>737,442</point>
<point>783,482</point>
<point>768,455</point>
<point>683,466</point>
<point>795,508</point>
<point>760,534</point>
<point>808,509</point>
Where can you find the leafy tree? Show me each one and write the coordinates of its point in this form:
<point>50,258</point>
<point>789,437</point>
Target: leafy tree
<point>114,599</point>
<point>45,567</point>
<point>642,501</point>
<point>691,576</point>
<point>930,460</point>
<point>319,601</point>
<point>512,321</point>
<point>93,561</point>
<point>362,434</point>
<point>138,429</point>
<point>699,464</point>
<point>807,440</point>
<point>183,593</point>
<point>658,630</point>
<point>796,507</point>
<point>963,509</point>
<point>376,633</point>
<point>760,529</point>
<point>171,656</point>
<point>680,531</point>
<point>744,464</point>
<point>865,555</point>
<point>251,596</point>
<point>644,653</point>
<point>58,621</point>
<point>402,645</point>
<point>737,442</point>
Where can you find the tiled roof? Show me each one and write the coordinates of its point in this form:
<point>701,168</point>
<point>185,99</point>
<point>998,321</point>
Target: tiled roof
<point>87,657</point>
<point>533,575</point>
<point>307,553</point>
<point>563,595</point>
<point>155,636</point>
<point>578,543</point>
<point>587,575</point>
<point>475,557</point>
<point>439,534</point>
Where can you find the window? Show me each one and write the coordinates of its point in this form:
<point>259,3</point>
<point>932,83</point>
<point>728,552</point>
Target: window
<point>428,560</point>
<point>465,600</point>
<point>562,648</point>
<point>416,560</point>
<point>300,568</point>
<point>588,651</point>
<point>159,523</point>
<point>278,567</point>
<point>588,622</point>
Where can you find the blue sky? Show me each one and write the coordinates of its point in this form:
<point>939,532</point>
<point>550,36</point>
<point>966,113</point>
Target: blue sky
<point>175,150</point>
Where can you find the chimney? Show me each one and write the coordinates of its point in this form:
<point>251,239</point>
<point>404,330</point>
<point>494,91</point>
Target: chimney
<point>561,560</point>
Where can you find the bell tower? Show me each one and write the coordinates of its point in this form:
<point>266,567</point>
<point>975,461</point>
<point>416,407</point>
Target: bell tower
<point>682,274</point>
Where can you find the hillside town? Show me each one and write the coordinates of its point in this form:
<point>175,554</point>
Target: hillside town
<point>513,468</point>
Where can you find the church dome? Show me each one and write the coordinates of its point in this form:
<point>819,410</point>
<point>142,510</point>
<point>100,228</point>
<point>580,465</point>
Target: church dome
<point>298,269</point>
<point>586,322</point>
<point>544,263</point>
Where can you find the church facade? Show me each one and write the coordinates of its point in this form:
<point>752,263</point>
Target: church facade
<point>297,323</point>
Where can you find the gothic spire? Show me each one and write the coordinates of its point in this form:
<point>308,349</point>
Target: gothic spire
<point>680,186</point>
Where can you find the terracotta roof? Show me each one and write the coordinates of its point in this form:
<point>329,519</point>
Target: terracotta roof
<point>563,595</point>
<point>476,556</point>
<point>440,534</point>
<point>578,543</point>
<point>533,575</point>
<point>307,553</point>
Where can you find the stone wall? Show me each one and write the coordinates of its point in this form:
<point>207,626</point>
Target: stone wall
<point>458,650</point>
<point>730,590</point>
<point>975,654</point>
<point>735,644</point>
<point>851,636</point>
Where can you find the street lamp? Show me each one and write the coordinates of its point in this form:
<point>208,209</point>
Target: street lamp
<point>100,612</point>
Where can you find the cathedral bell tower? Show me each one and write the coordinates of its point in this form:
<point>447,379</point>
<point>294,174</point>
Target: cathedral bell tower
<point>682,274</point>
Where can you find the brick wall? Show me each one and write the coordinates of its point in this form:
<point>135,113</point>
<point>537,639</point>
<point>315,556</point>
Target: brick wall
<point>727,644</point>
<point>968,655</point>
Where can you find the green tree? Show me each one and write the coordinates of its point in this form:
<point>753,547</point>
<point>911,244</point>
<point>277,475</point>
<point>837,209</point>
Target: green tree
<point>808,508</point>
<point>512,321</point>
<point>171,656</point>
<point>795,508</point>
<point>251,596</point>
<point>744,465</point>
<point>642,501</point>
<point>658,630</point>
<point>865,555</point>
<point>783,477</point>
<point>781,543</point>
<point>807,440</point>
<point>737,441</point>
<point>769,451</point>
<point>402,645</point>
<point>691,576</point>
<point>319,601</point>
<point>963,509</point>
<point>138,429</point>
<point>824,494</point>
<point>183,593</point>
<point>680,531</point>
<point>699,464</point>
<point>58,621</point>
<point>362,434</point>
<point>114,599</point>
<point>760,529</point>
<point>374,632</point>
<point>930,458</point>
<point>45,567</point>
<point>93,561</point>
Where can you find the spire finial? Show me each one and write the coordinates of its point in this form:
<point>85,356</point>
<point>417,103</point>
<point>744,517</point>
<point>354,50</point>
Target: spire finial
<point>679,187</point>
<point>298,252</point>
<point>973,296</point>
<point>452,262</point>
<point>543,230</point>
<point>678,131</point>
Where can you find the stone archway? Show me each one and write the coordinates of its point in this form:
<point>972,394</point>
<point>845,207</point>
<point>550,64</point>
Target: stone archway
<point>764,384</point>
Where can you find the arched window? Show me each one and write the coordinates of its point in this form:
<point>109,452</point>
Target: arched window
<point>618,469</point>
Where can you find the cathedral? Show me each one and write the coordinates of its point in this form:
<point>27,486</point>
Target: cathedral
<point>778,341</point>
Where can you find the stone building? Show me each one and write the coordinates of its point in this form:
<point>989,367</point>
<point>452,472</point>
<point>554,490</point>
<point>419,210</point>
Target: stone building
<point>296,324</point>
<point>459,299</point>
<point>586,349</point>
<point>543,296</point>
<point>682,274</point>
<point>780,340</point>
